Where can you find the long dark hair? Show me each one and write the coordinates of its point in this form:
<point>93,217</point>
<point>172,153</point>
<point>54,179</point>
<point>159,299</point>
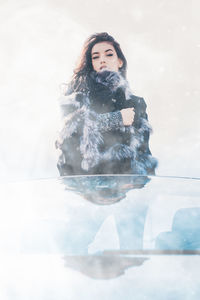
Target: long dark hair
<point>84,64</point>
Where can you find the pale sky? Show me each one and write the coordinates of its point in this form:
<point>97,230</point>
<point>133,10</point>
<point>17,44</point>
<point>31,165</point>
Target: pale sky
<point>40,42</point>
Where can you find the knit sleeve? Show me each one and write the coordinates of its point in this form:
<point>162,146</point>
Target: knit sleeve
<point>109,121</point>
<point>144,162</point>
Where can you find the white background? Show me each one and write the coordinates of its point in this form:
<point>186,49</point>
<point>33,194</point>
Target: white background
<point>40,42</point>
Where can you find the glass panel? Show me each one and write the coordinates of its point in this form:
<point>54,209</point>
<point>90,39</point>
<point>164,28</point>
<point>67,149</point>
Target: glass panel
<point>90,214</point>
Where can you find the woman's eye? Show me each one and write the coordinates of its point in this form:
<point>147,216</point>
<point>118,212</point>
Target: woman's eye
<point>95,57</point>
<point>110,54</point>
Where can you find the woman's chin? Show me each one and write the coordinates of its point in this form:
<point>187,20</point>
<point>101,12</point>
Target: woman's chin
<point>105,69</point>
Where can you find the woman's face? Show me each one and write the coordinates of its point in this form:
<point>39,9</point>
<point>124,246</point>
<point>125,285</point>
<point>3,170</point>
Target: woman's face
<point>104,57</point>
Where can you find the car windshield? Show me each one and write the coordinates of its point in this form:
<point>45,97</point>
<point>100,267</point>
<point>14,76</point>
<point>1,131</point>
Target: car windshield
<point>101,214</point>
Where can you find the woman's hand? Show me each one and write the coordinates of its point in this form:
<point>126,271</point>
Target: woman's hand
<point>127,116</point>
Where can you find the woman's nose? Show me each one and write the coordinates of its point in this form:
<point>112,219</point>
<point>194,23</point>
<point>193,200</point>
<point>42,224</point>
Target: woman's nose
<point>102,59</point>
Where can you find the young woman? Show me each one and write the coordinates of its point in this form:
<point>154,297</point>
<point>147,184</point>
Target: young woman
<point>106,129</point>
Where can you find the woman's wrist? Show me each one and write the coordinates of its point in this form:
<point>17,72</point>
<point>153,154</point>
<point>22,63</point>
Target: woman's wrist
<point>127,116</point>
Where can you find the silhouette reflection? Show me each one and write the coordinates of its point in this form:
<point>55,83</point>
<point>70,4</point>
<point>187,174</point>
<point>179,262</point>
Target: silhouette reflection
<point>104,190</point>
<point>85,221</point>
<point>103,266</point>
<point>90,200</point>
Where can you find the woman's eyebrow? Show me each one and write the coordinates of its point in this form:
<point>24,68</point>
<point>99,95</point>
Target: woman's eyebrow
<point>95,53</point>
<point>105,51</point>
<point>109,50</point>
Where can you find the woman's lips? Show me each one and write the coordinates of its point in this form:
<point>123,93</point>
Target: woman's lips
<point>103,67</point>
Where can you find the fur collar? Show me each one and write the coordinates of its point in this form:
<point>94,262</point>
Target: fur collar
<point>109,80</point>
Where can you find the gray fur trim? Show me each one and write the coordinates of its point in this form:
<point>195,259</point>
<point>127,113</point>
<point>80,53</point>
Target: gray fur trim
<point>135,144</point>
<point>76,107</point>
<point>92,139</point>
<point>115,80</point>
<point>69,99</point>
<point>142,166</point>
<point>118,152</point>
<point>71,123</point>
<point>145,126</point>
<point>89,143</point>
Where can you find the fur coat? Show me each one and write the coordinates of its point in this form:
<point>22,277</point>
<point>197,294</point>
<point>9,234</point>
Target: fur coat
<point>93,139</point>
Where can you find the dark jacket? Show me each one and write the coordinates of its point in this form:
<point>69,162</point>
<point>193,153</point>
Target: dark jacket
<point>94,140</point>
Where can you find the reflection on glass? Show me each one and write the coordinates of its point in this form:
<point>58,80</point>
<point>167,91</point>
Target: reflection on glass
<point>104,190</point>
<point>104,266</point>
<point>184,234</point>
<point>149,216</point>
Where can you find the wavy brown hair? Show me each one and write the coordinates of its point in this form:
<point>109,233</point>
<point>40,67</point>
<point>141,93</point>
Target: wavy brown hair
<point>84,66</point>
